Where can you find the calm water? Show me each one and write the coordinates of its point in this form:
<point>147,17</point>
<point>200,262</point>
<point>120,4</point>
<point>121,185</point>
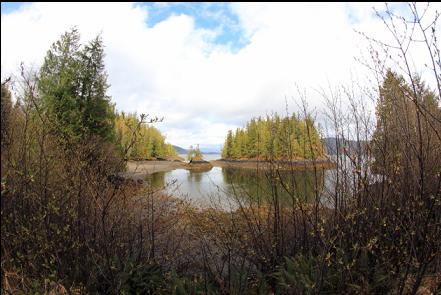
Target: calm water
<point>207,157</point>
<point>223,186</point>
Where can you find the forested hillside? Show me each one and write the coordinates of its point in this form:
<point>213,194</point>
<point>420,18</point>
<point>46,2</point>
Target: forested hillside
<point>274,138</point>
<point>141,140</point>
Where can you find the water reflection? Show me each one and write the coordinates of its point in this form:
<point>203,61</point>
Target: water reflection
<point>194,176</point>
<point>289,186</point>
<point>226,183</point>
<point>157,180</point>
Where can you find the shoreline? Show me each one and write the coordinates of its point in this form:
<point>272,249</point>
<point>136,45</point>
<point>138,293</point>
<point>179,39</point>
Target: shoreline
<point>280,165</point>
<point>139,169</point>
<point>152,166</point>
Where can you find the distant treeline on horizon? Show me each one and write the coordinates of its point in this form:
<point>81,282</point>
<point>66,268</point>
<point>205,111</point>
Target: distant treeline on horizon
<point>274,138</point>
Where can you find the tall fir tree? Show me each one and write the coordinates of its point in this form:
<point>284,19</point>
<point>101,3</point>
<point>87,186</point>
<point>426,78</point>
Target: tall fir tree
<point>73,83</point>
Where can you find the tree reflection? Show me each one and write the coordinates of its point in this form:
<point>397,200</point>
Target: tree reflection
<point>195,176</point>
<point>157,180</point>
<point>262,185</point>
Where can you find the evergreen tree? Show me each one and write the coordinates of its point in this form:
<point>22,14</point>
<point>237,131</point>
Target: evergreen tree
<point>72,83</point>
<point>140,141</point>
<point>397,123</point>
<point>274,138</point>
<point>194,153</point>
<point>227,152</point>
<point>237,144</point>
<point>97,109</point>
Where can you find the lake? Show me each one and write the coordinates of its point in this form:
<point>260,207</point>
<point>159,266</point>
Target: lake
<point>225,186</point>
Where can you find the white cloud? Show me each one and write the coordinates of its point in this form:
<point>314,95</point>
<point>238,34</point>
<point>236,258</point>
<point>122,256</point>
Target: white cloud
<point>175,70</point>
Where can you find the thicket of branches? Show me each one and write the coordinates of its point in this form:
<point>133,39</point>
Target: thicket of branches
<point>70,225</point>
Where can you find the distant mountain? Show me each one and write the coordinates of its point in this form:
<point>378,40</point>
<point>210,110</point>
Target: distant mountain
<point>180,150</point>
<point>205,150</point>
<point>331,145</point>
<point>210,150</point>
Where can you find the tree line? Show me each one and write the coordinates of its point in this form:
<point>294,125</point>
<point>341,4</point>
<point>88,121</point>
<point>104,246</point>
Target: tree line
<point>69,226</point>
<point>72,91</point>
<point>149,143</point>
<point>274,138</point>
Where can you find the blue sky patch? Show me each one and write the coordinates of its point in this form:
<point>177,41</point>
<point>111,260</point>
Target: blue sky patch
<point>218,17</point>
<point>8,7</point>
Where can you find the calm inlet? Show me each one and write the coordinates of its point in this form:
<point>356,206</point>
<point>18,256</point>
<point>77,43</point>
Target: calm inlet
<point>220,185</point>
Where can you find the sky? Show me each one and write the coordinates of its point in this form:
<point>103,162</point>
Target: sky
<point>205,67</point>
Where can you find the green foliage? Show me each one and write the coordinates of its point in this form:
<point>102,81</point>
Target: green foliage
<point>299,276</point>
<point>143,279</point>
<point>274,138</point>
<point>73,83</point>
<point>140,140</point>
<point>308,274</point>
<point>182,285</point>
<point>227,151</point>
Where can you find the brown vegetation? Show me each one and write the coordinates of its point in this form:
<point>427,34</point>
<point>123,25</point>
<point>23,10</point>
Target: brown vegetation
<point>70,224</point>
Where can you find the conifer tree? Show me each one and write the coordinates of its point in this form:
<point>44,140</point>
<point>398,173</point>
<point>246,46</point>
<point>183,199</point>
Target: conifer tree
<point>73,83</point>
<point>274,138</point>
